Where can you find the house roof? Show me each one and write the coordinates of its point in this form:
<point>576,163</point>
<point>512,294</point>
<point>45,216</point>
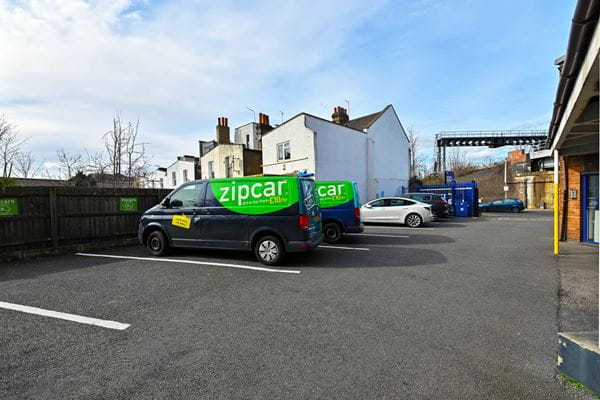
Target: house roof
<point>364,122</point>
<point>357,124</point>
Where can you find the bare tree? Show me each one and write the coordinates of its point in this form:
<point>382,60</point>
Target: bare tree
<point>69,163</point>
<point>457,161</point>
<point>10,144</point>
<point>113,142</point>
<point>26,166</point>
<point>417,158</point>
<point>98,165</point>
<point>127,156</point>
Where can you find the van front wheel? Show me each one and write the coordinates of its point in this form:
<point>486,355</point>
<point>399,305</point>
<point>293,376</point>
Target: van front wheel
<point>157,243</point>
<point>269,250</point>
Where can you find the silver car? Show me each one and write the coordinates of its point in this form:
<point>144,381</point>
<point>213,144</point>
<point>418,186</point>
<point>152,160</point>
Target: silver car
<point>396,210</point>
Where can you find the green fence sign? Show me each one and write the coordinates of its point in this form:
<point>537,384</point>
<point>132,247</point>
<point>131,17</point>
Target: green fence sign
<point>128,204</point>
<point>8,207</point>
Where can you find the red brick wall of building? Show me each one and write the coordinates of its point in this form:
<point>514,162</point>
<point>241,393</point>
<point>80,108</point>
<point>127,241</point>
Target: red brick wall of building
<point>575,167</point>
<point>517,156</point>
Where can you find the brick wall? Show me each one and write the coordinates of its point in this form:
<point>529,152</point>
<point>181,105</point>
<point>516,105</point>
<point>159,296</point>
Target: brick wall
<point>517,156</point>
<point>575,167</point>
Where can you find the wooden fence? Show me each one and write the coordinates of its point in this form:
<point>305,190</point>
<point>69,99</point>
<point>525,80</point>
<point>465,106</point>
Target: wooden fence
<point>54,217</point>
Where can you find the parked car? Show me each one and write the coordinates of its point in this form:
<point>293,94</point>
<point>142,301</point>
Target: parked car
<point>269,215</point>
<point>396,210</point>
<point>512,205</point>
<point>439,206</point>
<point>340,209</point>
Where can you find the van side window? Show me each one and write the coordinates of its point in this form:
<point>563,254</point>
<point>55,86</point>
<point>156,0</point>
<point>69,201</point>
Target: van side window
<point>189,195</point>
<point>210,200</point>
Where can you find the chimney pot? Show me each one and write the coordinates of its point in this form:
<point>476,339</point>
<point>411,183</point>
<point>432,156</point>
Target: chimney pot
<point>222,130</point>
<point>340,115</point>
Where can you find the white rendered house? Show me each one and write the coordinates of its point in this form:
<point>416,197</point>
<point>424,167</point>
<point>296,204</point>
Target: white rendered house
<point>372,150</point>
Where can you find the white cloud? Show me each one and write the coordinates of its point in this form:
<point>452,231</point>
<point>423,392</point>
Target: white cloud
<point>177,66</point>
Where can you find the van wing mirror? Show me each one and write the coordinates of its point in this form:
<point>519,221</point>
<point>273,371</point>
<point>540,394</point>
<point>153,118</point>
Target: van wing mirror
<point>176,203</point>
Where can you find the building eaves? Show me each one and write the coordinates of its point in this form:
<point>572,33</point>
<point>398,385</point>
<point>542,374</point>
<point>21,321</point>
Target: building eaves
<point>584,22</point>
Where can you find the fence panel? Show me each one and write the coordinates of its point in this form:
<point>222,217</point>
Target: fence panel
<point>45,217</point>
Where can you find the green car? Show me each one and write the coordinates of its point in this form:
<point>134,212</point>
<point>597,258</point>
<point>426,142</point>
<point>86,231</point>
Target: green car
<point>509,205</point>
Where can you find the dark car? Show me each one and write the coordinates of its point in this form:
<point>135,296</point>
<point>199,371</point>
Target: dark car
<point>509,205</point>
<point>439,206</point>
<point>269,215</point>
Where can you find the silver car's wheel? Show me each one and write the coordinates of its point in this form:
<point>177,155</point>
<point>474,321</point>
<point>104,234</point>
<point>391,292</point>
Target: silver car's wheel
<point>269,250</point>
<point>413,220</point>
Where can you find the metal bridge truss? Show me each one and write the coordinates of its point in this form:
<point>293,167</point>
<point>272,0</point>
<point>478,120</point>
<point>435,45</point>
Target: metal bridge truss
<point>534,138</point>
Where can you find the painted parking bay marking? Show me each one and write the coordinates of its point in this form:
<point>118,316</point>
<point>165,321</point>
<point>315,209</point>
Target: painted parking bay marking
<point>68,317</point>
<point>398,227</point>
<point>374,234</point>
<point>345,248</point>
<point>174,260</point>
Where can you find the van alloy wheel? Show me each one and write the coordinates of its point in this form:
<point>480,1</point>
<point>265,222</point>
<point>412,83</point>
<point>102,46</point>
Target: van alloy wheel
<point>268,250</point>
<point>413,220</point>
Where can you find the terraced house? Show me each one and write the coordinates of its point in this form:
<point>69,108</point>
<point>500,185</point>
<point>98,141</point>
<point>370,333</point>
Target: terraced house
<point>372,150</point>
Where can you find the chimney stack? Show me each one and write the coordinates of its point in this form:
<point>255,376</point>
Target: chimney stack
<point>223,130</point>
<point>340,115</point>
<point>264,125</point>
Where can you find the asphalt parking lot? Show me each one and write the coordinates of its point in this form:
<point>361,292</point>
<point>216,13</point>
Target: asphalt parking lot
<point>459,309</point>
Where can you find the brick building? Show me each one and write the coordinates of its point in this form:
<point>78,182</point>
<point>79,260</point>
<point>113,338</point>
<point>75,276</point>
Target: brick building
<point>573,135</point>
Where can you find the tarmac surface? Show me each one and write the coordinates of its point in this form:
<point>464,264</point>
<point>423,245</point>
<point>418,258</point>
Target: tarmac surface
<point>459,309</point>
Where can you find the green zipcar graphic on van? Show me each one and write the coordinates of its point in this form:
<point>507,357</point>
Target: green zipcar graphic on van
<point>340,209</point>
<point>332,194</point>
<point>255,196</point>
<point>269,215</point>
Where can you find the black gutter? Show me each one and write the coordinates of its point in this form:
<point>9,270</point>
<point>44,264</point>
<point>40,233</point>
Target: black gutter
<point>583,26</point>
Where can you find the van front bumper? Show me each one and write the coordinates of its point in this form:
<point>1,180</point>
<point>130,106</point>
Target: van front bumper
<point>297,246</point>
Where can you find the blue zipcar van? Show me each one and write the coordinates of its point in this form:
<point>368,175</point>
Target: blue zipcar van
<point>340,209</point>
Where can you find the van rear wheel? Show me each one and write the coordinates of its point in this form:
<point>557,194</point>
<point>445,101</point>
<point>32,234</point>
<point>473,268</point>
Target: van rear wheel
<point>269,250</point>
<point>157,243</point>
<point>333,232</point>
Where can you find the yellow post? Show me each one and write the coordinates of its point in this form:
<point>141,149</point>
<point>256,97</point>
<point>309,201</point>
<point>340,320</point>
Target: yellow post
<point>556,202</point>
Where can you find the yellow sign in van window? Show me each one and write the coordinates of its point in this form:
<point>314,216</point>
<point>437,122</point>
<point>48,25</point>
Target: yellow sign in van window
<point>181,221</point>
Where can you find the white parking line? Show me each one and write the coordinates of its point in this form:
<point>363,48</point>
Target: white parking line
<point>345,248</point>
<point>174,260</point>
<point>69,317</point>
<point>398,227</point>
<point>374,234</point>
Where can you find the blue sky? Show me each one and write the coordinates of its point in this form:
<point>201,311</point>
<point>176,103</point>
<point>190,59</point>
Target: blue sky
<point>178,65</point>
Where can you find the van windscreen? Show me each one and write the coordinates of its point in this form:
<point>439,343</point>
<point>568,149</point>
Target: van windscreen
<point>308,190</point>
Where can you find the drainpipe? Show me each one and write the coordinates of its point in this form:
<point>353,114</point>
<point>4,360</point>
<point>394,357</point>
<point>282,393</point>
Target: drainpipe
<point>565,214</point>
<point>556,201</point>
